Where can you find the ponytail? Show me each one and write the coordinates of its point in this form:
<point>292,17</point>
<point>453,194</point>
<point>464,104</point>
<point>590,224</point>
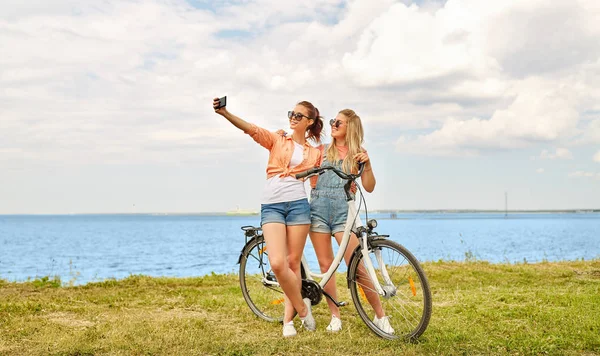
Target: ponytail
<point>315,130</point>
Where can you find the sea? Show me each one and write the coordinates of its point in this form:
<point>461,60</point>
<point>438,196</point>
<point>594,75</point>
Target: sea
<point>80,249</point>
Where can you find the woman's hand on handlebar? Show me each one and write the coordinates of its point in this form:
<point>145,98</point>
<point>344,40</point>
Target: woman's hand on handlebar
<point>362,157</point>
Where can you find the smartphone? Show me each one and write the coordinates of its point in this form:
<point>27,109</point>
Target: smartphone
<point>222,102</point>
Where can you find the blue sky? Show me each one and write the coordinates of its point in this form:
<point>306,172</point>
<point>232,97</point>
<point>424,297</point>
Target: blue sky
<point>106,107</point>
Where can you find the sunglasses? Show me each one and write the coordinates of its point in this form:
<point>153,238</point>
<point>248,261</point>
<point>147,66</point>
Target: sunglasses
<point>336,123</point>
<point>296,116</point>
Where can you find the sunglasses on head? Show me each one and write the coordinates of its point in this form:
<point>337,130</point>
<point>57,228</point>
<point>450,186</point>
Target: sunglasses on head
<point>296,116</point>
<point>336,123</point>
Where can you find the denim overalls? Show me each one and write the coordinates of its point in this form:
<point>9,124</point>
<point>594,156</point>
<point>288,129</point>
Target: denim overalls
<point>328,205</point>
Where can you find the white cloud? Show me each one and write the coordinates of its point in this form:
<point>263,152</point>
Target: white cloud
<point>530,37</point>
<point>538,114</point>
<point>561,153</point>
<point>597,157</point>
<point>584,174</point>
<point>462,53</point>
<point>591,133</point>
<point>405,46</point>
<point>470,38</point>
<point>540,170</point>
<point>130,75</point>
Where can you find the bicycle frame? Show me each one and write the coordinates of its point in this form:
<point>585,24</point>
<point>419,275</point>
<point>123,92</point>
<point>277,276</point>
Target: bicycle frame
<point>351,224</point>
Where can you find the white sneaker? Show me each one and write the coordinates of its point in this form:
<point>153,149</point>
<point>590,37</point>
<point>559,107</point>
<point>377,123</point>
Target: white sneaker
<point>289,329</point>
<point>308,321</point>
<point>335,325</point>
<point>384,324</point>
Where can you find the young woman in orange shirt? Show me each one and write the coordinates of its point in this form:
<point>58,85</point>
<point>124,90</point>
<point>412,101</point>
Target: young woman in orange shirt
<point>285,211</point>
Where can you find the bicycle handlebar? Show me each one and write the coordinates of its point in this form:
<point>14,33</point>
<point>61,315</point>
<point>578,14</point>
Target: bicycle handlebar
<point>339,173</point>
<point>305,174</point>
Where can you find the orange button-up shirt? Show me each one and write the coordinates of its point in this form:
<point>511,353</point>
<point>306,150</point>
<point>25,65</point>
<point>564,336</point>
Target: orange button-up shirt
<point>281,149</point>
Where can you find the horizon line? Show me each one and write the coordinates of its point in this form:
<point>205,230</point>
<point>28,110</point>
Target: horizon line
<point>374,211</point>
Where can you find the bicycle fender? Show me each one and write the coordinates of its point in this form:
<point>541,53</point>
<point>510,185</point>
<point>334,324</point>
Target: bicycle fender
<point>244,248</point>
<point>355,254</point>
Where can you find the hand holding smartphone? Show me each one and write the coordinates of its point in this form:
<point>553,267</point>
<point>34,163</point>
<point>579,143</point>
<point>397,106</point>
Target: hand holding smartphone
<point>220,103</point>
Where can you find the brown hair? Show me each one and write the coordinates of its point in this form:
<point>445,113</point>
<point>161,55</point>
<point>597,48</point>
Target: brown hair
<point>314,130</point>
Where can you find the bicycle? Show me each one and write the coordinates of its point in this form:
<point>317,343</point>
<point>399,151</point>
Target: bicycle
<point>390,271</point>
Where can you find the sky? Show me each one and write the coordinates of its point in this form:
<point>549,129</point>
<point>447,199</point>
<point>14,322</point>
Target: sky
<point>106,106</point>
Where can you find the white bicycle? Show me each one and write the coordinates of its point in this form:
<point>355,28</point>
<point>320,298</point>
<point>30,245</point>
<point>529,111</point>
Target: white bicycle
<point>380,270</point>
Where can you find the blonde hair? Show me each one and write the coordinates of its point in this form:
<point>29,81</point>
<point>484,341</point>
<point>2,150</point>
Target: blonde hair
<point>354,141</point>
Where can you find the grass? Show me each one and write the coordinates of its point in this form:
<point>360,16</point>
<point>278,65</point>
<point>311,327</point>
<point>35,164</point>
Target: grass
<point>479,308</point>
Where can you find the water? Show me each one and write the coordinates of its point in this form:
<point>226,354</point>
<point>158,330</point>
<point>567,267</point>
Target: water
<point>84,248</point>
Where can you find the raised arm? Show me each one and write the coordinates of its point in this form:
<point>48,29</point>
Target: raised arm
<point>236,121</point>
<point>263,137</point>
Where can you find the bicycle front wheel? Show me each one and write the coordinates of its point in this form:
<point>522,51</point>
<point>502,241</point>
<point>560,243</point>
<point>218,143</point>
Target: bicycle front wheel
<point>405,309</point>
<point>259,285</point>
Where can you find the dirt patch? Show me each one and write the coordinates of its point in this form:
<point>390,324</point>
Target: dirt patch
<point>179,314</point>
<point>594,273</point>
<point>69,319</point>
<point>444,304</point>
<point>156,314</point>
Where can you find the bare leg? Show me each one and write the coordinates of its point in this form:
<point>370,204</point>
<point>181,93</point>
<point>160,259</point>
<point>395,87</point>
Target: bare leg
<point>296,240</point>
<point>322,244</point>
<point>277,243</point>
<point>370,292</point>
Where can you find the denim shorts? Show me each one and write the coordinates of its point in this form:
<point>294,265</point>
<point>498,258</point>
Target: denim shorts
<point>295,212</point>
<point>328,213</point>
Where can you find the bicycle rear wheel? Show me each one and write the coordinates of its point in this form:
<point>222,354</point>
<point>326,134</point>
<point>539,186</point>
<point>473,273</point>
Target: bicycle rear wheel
<point>407,303</point>
<point>258,283</point>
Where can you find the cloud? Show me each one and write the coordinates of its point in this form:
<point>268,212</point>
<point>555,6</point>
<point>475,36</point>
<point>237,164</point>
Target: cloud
<point>404,47</point>
<point>85,81</point>
<point>596,157</point>
<point>561,153</point>
<point>475,40</point>
<point>529,38</point>
<point>538,114</point>
<point>591,133</point>
<point>540,170</point>
<point>529,88</point>
<point>108,80</point>
<point>584,174</point>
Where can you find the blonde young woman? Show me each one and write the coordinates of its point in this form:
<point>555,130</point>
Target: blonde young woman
<point>285,212</point>
<point>329,209</point>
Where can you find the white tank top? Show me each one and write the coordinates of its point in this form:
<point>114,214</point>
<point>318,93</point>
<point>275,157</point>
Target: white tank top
<point>279,190</point>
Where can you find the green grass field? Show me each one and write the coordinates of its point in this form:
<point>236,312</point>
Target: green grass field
<point>478,308</point>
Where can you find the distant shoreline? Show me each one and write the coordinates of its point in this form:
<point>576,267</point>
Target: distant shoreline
<point>384,211</point>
